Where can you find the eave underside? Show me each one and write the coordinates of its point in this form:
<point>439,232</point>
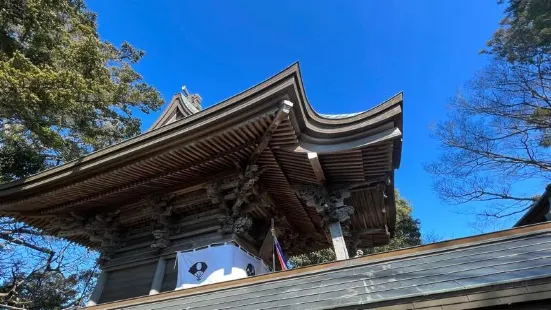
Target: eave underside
<point>187,170</point>
<point>183,158</point>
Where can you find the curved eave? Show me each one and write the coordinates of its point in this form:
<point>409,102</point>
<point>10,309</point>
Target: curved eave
<point>258,100</point>
<point>319,129</point>
<point>538,211</point>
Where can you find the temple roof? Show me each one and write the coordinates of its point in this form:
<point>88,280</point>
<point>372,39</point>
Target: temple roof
<point>271,122</point>
<point>539,211</point>
<point>499,269</point>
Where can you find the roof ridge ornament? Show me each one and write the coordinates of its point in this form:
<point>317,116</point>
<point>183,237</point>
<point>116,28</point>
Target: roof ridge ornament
<point>182,105</point>
<point>195,99</point>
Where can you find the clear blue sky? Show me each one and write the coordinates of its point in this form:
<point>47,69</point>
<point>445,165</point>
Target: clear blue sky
<point>353,55</point>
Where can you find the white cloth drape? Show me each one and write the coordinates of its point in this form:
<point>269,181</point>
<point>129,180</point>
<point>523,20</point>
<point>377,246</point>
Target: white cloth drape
<point>216,264</point>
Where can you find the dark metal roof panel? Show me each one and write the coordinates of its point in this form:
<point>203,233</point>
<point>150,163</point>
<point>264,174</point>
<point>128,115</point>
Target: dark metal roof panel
<point>478,263</point>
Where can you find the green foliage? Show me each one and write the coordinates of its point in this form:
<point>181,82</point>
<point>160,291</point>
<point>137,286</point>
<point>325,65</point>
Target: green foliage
<point>63,91</point>
<point>524,32</point>
<point>312,258</point>
<point>498,132</point>
<point>407,234</point>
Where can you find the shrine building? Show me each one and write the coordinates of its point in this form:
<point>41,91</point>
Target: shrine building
<point>217,177</point>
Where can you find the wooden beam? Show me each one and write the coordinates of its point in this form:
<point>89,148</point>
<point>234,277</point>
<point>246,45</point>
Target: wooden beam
<point>158,277</point>
<point>338,241</point>
<point>98,290</point>
<point>283,112</point>
<point>251,172</point>
<point>316,166</point>
<point>370,231</point>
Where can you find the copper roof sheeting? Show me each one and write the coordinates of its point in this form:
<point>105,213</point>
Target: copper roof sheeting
<point>358,148</point>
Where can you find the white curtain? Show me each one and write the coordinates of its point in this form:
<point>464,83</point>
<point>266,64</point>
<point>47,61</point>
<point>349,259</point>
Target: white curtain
<point>216,263</point>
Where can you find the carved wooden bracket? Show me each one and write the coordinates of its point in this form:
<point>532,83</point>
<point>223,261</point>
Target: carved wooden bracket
<point>247,187</point>
<point>242,225</point>
<point>214,193</point>
<point>226,224</point>
<point>102,228</point>
<point>68,225</point>
<point>216,196</point>
<point>247,196</point>
<point>160,211</point>
<point>329,203</point>
<point>247,192</point>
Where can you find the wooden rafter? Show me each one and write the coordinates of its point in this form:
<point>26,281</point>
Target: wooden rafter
<point>283,112</point>
<point>316,166</point>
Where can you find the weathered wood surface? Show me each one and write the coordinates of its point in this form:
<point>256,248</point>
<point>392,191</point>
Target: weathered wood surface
<point>158,277</point>
<point>451,269</point>
<point>171,275</point>
<point>127,283</point>
<point>339,245</point>
<point>194,231</point>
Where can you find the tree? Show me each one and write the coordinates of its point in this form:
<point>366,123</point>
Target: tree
<point>406,234</point>
<point>47,290</point>
<point>499,128</point>
<point>63,91</point>
<point>38,272</point>
<point>312,258</point>
<point>524,32</point>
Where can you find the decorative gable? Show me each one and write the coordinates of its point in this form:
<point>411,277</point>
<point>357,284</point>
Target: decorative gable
<point>181,106</point>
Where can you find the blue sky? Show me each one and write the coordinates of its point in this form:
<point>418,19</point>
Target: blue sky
<point>353,55</point>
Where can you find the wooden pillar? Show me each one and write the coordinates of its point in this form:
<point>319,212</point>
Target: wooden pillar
<point>158,278</point>
<point>338,241</point>
<point>96,293</point>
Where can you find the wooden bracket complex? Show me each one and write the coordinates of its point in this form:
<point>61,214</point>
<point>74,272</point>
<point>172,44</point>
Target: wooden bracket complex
<point>334,212</point>
<point>101,228</point>
<point>160,210</point>
<point>247,190</point>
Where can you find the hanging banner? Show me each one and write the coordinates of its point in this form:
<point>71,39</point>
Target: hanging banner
<point>216,263</point>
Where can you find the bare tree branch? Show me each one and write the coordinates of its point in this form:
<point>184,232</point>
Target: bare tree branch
<point>497,136</point>
<point>12,239</point>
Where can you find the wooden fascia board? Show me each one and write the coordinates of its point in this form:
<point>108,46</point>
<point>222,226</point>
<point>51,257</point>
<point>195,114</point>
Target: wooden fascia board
<point>308,113</point>
<point>329,128</point>
<point>315,118</point>
<point>306,147</point>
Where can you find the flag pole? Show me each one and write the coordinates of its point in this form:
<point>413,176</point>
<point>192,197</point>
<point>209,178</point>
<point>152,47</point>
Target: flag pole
<point>273,246</point>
